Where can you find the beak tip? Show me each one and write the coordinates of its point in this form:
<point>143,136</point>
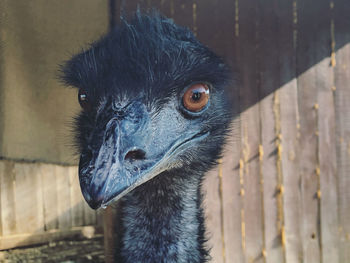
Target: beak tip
<point>94,205</point>
<point>94,200</point>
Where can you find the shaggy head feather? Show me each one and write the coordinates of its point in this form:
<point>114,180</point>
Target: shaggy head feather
<point>135,131</point>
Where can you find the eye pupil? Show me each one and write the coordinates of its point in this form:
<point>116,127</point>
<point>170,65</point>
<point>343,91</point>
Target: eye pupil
<point>83,97</point>
<point>83,100</point>
<point>196,97</point>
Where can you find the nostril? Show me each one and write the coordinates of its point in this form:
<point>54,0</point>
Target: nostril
<point>135,155</point>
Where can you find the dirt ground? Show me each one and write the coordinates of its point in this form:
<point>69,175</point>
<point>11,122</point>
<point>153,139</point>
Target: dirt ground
<point>67,251</point>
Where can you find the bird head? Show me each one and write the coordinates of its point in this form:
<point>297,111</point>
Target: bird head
<point>153,99</point>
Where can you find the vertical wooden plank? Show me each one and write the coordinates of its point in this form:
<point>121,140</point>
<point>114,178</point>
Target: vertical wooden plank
<point>342,79</point>
<point>232,202</point>
<point>112,226</point>
<point>50,196</point>
<point>166,7</point>
<point>63,200</point>
<point>327,166</point>
<point>342,97</point>
<point>183,13</point>
<point>252,214</point>
<point>7,191</point>
<point>89,215</point>
<point>38,197</point>
<point>291,235</point>
<point>270,148</point>
<point>213,215</point>
<point>253,210</point>
<point>28,198</point>
<point>271,176</point>
<point>110,240</point>
<point>99,218</point>
<point>206,29</point>
<point>289,121</point>
<point>308,15</point>
<point>76,197</point>
<point>326,138</point>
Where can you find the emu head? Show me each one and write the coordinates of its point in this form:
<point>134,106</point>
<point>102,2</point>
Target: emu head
<point>153,100</point>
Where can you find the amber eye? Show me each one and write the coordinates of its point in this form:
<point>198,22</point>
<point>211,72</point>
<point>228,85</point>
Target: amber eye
<point>84,100</point>
<point>196,97</point>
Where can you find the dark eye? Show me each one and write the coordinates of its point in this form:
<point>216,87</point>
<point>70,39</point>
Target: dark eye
<point>196,97</point>
<point>84,100</point>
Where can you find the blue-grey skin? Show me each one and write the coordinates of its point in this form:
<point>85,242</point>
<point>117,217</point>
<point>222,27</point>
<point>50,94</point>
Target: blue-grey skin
<point>138,142</point>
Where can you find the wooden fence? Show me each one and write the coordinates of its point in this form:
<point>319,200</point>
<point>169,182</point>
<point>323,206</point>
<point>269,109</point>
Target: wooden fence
<point>42,203</point>
<point>280,194</point>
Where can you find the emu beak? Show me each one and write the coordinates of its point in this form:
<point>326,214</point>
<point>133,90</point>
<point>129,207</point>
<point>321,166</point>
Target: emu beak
<point>129,157</point>
<point>121,165</point>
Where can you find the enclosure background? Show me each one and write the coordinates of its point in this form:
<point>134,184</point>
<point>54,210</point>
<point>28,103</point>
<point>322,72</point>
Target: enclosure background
<point>280,193</point>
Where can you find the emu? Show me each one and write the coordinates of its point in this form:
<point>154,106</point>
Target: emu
<point>155,115</point>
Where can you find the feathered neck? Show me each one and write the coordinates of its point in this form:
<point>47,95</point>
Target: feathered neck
<point>162,221</point>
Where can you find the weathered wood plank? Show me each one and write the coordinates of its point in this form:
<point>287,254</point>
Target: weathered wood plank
<point>327,166</point>
<point>253,210</point>
<point>232,202</point>
<point>76,197</point>
<point>289,121</point>
<point>342,97</point>
<point>270,149</point>
<point>64,212</point>
<point>252,214</point>
<point>89,215</point>
<point>213,214</point>
<point>291,236</point>
<point>326,141</point>
<point>111,238</point>
<point>183,13</point>
<point>308,14</point>
<point>7,191</point>
<point>50,195</point>
<point>28,198</point>
<point>206,29</point>
<point>166,7</point>
<point>271,176</point>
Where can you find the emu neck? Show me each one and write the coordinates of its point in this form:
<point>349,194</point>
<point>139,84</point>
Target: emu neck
<point>163,222</point>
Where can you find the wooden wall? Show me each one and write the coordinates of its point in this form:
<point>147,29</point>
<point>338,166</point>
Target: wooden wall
<point>41,203</point>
